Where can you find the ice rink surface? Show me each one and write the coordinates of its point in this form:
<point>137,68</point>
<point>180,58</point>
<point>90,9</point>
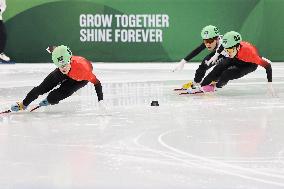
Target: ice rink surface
<point>233,139</point>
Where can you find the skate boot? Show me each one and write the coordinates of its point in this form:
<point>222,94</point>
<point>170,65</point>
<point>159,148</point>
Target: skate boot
<point>209,88</point>
<point>18,107</point>
<point>4,57</point>
<point>191,85</point>
<point>195,89</point>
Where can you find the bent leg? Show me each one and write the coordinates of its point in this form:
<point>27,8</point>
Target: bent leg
<point>235,72</point>
<point>203,67</point>
<point>216,72</point>
<point>51,81</point>
<point>66,89</point>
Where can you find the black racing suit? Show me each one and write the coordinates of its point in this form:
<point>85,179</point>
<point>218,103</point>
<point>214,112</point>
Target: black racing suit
<point>228,69</point>
<point>246,61</point>
<point>67,87</point>
<point>203,67</point>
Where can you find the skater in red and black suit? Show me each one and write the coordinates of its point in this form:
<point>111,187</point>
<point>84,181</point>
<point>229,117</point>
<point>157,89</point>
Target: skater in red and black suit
<point>243,59</point>
<point>73,73</point>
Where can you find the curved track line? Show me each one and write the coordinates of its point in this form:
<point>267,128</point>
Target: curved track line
<point>221,164</point>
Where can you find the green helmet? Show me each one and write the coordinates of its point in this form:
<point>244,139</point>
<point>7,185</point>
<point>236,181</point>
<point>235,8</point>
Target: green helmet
<point>209,32</point>
<point>61,56</point>
<point>231,39</point>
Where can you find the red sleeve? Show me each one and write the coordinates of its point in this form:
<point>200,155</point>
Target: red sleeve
<point>90,75</point>
<point>92,78</point>
<point>249,53</point>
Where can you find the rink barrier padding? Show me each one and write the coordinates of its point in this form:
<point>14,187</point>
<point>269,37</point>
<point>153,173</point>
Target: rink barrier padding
<point>32,26</point>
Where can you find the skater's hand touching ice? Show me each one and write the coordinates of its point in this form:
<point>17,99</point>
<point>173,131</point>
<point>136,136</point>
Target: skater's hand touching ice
<point>271,90</point>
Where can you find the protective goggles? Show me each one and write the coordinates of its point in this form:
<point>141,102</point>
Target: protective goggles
<point>209,40</point>
<point>63,65</point>
<point>230,50</point>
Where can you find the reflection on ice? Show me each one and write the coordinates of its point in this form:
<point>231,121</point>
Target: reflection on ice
<point>126,94</point>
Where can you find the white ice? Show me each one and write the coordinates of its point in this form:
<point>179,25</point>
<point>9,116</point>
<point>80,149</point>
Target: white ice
<point>231,139</point>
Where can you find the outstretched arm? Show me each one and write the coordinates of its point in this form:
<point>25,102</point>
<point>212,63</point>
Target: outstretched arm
<point>98,86</point>
<point>267,65</point>
<point>99,90</point>
<point>192,54</point>
<point>195,52</point>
